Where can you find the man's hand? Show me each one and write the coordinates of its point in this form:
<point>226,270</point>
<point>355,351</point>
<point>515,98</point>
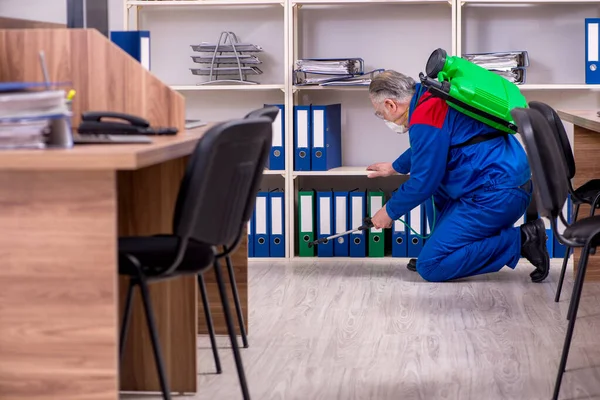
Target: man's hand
<point>381,169</point>
<point>381,219</point>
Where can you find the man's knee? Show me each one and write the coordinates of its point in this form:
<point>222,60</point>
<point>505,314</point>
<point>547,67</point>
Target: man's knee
<point>431,270</point>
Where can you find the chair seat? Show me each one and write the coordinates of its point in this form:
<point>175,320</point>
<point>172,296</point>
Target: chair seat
<point>583,229</point>
<point>588,191</point>
<point>156,253</point>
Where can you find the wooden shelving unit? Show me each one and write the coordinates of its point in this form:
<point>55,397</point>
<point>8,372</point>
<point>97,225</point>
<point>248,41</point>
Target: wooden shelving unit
<point>290,94</point>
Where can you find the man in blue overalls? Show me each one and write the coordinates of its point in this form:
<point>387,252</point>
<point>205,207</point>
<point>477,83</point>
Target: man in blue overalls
<point>479,179</point>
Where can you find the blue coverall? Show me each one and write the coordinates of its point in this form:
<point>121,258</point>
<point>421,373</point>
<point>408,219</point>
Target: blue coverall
<point>476,189</point>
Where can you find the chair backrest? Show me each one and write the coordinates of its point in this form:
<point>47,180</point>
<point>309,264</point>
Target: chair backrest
<point>269,111</point>
<point>559,132</point>
<point>548,170</point>
<point>222,180</point>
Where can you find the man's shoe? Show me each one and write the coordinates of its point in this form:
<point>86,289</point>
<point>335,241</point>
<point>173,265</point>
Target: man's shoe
<point>534,249</point>
<point>412,265</point>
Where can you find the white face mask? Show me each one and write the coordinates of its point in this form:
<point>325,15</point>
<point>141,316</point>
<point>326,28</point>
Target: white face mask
<point>396,128</point>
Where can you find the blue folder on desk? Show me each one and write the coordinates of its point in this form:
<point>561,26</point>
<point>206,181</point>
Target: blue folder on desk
<point>592,50</point>
<point>135,43</point>
<point>276,161</point>
<point>302,136</point>
<point>326,151</point>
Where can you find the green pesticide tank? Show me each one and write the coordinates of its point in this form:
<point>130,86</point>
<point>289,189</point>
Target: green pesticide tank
<point>473,90</point>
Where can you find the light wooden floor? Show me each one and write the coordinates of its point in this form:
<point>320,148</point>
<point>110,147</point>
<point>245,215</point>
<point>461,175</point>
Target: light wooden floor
<point>376,331</point>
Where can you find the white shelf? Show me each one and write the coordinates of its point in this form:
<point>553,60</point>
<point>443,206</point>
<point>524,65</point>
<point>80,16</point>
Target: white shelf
<point>341,171</point>
<point>188,3</point>
<point>402,261</point>
<point>317,87</point>
<point>193,88</point>
<point>269,172</point>
<point>529,1</point>
<point>558,86</point>
<point>334,2</point>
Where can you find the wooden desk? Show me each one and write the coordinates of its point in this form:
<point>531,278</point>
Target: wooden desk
<point>61,212</point>
<point>586,147</point>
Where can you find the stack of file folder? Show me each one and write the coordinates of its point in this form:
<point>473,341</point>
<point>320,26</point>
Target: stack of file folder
<point>325,213</point>
<point>27,116</point>
<point>266,228</point>
<point>332,72</point>
<point>511,65</point>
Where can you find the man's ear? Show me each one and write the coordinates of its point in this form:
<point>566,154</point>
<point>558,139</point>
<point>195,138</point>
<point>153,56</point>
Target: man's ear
<point>390,105</point>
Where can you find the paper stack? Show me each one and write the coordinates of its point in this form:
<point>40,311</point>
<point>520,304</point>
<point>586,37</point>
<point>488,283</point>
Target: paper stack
<point>27,117</point>
<point>511,65</point>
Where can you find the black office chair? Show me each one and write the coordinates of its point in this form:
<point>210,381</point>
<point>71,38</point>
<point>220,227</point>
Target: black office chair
<point>267,111</point>
<point>588,193</point>
<point>551,191</point>
<point>219,187</point>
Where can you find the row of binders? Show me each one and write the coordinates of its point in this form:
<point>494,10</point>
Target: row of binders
<point>317,138</point>
<point>511,65</point>
<point>325,213</point>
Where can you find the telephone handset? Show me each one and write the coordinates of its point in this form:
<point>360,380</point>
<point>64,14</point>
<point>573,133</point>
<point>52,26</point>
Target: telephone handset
<point>93,122</point>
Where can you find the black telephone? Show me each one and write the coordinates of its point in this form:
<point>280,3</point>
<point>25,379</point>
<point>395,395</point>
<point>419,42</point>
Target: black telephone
<point>92,123</point>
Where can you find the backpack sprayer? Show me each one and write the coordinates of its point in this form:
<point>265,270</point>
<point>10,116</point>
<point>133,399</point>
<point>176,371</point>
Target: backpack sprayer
<point>471,90</point>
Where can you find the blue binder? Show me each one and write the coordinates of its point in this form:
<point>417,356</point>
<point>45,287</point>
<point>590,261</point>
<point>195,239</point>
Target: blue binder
<point>135,43</point>
<point>399,238</point>
<point>261,225</point>
<point>326,151</point>
<point>276,161</point>
<point>592,50</point>
<point>560,249</point>
<point>358,213</point>
<point>415,243</point>
<point>302,136</point>
<point>340,206</point>
<point>277,223</point>
<point>428,220</point>
<point>325,222</point>
<point>250,234</point>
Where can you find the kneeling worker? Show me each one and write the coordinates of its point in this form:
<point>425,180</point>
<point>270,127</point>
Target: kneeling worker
<point>479,179</point>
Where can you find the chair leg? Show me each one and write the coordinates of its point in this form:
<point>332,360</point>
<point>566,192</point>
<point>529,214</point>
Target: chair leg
<point>568,251</point>
<point>209,323</point>
<point>231,331</point>
<point>575,297</point>
<point>562,274</point>
<point>236,299</point>
<point>154,339</point>
<point>126,318</point>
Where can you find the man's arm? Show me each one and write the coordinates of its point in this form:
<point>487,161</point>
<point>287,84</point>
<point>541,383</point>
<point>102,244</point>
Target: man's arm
<point>402,163</point>
<point>430,146</point>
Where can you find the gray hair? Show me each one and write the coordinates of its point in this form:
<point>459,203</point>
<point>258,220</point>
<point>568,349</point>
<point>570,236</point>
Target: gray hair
<point>390,84</point>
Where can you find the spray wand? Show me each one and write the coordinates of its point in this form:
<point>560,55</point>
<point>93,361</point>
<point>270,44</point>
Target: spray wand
<point>366,225</point>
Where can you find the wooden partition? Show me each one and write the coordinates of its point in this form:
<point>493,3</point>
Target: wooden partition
<point>107,79</point>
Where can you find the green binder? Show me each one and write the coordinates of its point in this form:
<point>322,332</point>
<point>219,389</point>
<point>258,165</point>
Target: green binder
<point>306,223</point>
<point>376,246</point>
